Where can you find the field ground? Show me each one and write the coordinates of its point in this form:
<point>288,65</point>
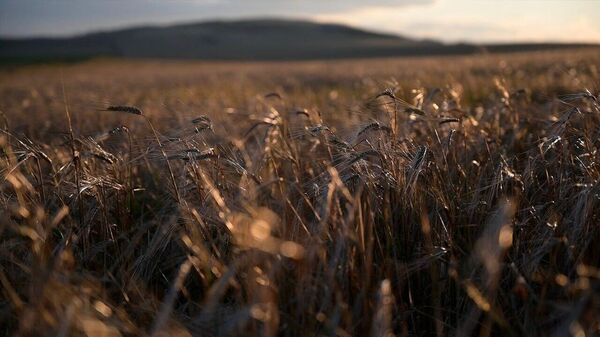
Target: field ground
<point>416,197</point>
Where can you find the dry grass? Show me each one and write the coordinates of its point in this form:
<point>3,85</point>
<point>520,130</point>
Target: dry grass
<point>441,196</point>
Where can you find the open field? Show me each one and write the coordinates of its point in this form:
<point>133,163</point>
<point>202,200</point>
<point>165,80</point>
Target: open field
<point>442,196</point>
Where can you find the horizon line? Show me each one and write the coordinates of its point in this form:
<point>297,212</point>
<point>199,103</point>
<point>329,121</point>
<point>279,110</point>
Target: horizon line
<point>281,18</point>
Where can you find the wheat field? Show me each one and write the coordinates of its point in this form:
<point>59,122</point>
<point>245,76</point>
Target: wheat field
<point>441,196</point>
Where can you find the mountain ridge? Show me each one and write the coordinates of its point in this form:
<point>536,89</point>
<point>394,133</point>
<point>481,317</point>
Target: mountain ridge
<point>248,39</point>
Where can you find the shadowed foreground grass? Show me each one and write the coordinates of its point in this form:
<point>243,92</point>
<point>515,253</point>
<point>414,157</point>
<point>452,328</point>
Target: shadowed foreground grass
<point>434,197</point>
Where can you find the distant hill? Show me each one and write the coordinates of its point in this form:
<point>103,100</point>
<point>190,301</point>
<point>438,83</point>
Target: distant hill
<point>238,40</point>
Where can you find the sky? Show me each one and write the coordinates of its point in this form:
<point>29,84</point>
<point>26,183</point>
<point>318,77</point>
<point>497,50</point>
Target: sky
<point>446,20</point>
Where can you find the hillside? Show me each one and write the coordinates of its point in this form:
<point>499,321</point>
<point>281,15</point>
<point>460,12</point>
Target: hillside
<point>267,39</point>
<point>251,39</point>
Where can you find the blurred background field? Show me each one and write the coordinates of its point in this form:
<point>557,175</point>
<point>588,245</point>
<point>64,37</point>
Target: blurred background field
<point>172,91</point>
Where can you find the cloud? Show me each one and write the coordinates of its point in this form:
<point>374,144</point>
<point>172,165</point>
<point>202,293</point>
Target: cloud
<point>481,21</point>
<point>447,20</point>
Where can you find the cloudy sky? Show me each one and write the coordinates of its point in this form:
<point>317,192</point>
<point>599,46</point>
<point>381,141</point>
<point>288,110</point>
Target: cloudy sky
<point>447,20</point>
